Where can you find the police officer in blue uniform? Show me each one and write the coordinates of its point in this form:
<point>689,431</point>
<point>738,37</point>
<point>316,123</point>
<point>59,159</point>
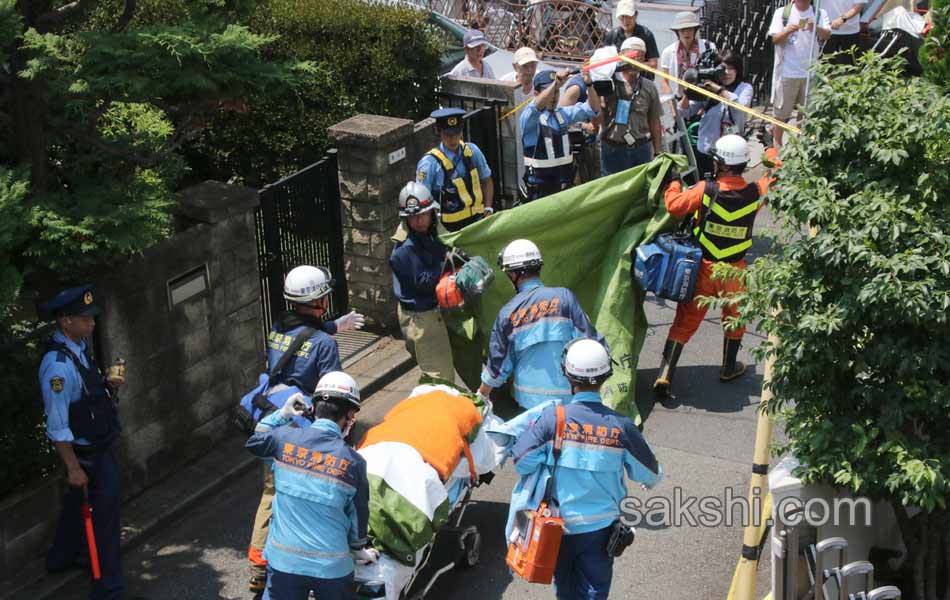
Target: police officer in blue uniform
<point>417,264</point>
<point>531,331</point>
<point>456,173</point>
<point>549,164</point>
<point>82,422</point>
<point>308,289</point>
<point>321,508</point>
<point>599,446</point>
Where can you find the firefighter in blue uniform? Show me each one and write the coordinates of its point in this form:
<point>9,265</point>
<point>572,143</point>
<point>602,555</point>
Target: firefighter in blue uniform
<point>599,447</point>
<point>456,173</point>
<point>321,507</point>
<point>417,263</point>
<point>82,423</point>
<point>531,331</point>
<point>549,164</point>
<point>308,289</point>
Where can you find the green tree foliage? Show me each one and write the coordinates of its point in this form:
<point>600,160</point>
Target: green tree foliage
<point>935,53</point>
<point>862,372</point>
<point>369,58</point>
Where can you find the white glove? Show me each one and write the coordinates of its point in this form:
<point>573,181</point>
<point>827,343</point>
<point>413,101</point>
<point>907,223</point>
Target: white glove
<point>351,320</point>
<point>294,407</point>
<point>365,555</point>
<point>489,211</point>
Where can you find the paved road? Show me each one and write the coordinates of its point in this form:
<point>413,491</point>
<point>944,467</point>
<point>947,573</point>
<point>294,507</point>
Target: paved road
<point>704,446</point>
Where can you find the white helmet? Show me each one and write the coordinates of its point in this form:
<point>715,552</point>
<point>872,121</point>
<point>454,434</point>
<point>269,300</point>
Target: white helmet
<point>305,284</point>
<point>585,360</point>
<point>415,199</point>
<point>731,149</point>
<point>339,385</point>
<point>518,255</point>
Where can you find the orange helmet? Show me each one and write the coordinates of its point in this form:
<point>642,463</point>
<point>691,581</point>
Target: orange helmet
<point>448,293</point>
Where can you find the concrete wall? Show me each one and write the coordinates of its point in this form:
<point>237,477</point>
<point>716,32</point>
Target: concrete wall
<point>187,365</point>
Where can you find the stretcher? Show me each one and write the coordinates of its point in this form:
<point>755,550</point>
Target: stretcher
<point>418,500</point>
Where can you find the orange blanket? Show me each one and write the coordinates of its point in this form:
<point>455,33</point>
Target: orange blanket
<point>436,424</point>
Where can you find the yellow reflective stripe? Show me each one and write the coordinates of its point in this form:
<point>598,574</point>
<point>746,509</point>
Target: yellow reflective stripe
<point>443,159</point>
<point>728,215</point>
<point>725,252</point>
<point>474,206</point>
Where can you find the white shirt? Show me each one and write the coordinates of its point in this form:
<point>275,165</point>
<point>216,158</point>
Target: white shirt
<point>801,48</point>
<point>836,8</point>
<point>465,69</point>
<point>670,64</point>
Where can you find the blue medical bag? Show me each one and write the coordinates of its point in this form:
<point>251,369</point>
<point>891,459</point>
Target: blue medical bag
<point>668,266</point>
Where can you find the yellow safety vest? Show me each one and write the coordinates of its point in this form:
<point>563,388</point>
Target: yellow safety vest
<point>725,229</point>
<point>465,199</point>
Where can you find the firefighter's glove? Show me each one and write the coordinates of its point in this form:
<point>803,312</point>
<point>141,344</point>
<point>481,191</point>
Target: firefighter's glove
<point>295,406</point>
<point>365,555</point>
<point>352,320</point>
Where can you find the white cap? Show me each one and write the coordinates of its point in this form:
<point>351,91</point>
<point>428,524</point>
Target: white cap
<point>585,360</point>
<point>627,8</point>
<point>731,149</point>
<point>633,43</point>
<point>520,254</point>
<point>685,20</point>
<point>525,55</point>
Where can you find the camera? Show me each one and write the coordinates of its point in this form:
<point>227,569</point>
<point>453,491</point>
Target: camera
<point>709,68</point>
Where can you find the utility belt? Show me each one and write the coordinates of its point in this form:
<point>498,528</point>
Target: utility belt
<point>627,144</point>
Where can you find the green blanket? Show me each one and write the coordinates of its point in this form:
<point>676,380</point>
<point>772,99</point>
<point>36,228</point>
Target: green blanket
<point>586,235</point>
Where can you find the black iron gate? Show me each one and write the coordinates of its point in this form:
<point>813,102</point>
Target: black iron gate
<point>299,223</point>
<point>743,27</point>
<point>482,125</point>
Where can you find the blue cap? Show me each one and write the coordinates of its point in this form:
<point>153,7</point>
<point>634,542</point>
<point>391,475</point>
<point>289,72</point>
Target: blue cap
<point>71,302</point>
<point>543,79</point>
<point>474,37</point>
<point>448,120</point>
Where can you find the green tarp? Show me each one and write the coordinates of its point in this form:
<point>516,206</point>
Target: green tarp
<point>586,235</point>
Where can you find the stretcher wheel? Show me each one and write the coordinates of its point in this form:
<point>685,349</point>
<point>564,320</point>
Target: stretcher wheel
<point>471,549</point>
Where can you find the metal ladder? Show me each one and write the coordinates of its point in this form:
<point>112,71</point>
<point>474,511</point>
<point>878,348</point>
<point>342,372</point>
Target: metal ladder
<point>680,136</point>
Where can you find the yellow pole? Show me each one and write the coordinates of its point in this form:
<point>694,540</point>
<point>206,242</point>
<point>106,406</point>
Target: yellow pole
<point>709,94</point>
<point>743,582</point>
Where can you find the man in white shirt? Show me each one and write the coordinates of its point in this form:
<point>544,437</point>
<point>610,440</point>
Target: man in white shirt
<point>685,52</point>
<point>525,65</point>
<point>796,32</point>
<point>473,65</point>
<point>845,18</point>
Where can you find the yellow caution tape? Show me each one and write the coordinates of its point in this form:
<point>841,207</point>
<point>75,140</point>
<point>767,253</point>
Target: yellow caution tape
<point>515,109</point>
<point>711,95</point>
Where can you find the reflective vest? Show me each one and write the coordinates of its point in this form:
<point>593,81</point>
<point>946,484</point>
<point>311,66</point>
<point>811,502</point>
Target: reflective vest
<point>553,148</point>
<point>460,197</point>
<point>94,417</point>
<point>724,232</point>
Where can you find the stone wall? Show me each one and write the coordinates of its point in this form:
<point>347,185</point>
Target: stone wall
<point>375,158</point>
<point>188,363</point>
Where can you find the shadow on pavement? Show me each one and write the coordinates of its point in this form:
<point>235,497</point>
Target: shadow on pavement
<point>490,577</point>
<point>698,387</point>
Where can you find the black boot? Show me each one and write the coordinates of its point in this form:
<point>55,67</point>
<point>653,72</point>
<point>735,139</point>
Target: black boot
<point>664,379</point>
<point>731,368</point>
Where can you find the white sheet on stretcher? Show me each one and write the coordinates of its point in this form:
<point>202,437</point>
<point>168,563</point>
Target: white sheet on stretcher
<point>404,470</point>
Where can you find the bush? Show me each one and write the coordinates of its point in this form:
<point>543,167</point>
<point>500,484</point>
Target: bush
<point>369,58</point>
<point>935,54</point>
<point>862,372</point>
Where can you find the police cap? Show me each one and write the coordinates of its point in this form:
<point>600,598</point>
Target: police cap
<point>543,79</point>
<point>77,301</point>
<point>448,120</point>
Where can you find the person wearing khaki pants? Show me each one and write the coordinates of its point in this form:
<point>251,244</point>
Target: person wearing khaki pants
<point>417,263</point>
<point>307,288</point>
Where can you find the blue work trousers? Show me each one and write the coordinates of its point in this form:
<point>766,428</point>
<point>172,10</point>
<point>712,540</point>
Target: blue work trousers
<point>288,586</point>
<point>584,569</point>
<point>70,542</point>
<point>616,157</point>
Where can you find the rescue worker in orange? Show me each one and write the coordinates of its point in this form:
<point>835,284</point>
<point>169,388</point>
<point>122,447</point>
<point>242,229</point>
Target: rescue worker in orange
<point>725,211</point>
